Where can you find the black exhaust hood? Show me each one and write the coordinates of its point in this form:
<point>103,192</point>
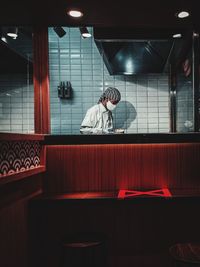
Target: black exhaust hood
<point>127,51</point>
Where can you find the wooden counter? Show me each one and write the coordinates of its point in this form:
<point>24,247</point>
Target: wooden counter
<point>122,138</point>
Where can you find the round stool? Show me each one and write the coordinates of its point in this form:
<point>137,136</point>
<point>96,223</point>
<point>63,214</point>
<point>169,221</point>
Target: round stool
<point>186,254</point>
<point>84,250</point>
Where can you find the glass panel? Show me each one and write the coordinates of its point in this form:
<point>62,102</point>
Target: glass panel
<point>185,97</point>
<point>144,105</point>
<point>16,80</point>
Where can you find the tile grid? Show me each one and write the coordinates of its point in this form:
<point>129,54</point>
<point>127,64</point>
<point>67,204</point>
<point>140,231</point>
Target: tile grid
<point>17,108</point>
<point>87,89</point>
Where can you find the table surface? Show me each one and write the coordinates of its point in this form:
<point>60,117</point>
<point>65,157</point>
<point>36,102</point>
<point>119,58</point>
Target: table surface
<point>143,193</point>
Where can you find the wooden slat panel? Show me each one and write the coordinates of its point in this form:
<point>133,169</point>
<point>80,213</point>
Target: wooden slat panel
<point>14,220</point>
<point>111,167</point>
<point>41,80</point>
<point>13,231</point>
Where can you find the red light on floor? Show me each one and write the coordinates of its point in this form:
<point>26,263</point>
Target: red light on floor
<point>164,192</point>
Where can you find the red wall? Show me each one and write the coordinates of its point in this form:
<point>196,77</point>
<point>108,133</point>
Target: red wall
<point>72,168</point>
<point>14,235</point>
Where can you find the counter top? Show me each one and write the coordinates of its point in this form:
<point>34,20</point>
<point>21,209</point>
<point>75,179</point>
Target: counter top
<point>122,138</point>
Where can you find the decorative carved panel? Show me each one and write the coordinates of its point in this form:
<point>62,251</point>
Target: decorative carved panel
<point>16,156</point>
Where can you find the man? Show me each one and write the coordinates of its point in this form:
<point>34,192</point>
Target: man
<point>98,119</point>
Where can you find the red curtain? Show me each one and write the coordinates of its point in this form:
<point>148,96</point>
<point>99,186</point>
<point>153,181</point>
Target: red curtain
<point>41,80</point>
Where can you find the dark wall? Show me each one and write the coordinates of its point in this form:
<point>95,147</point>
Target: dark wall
<point>12,62</point>
<point>139,232</point>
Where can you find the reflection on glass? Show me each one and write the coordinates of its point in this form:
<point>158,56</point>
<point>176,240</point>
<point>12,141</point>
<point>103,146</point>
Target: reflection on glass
<point>16,80</point>
<point>184,97</point>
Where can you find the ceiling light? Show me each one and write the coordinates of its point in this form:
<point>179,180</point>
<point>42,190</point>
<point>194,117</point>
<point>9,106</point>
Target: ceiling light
<point>183,14</point>
<point>12,32</point>
<point>84,32</point>
<point>59,31</point>
<point>128,73</point>
<point>195,34</point>
<point>3,39</point>
<point>177,35</point>
<point>75,13</point>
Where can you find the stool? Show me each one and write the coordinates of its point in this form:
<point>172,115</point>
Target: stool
<point>186,254</point>
<point>84,250</point>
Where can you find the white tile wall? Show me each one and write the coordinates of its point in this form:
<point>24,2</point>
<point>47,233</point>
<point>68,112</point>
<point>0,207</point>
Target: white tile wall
<point>144,106</point>
<point>16,104</point>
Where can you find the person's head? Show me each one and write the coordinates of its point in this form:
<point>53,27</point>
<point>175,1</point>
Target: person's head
<point>110,98</point>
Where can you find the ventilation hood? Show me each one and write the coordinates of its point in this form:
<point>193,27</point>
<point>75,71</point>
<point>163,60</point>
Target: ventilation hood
<point>127,52</point>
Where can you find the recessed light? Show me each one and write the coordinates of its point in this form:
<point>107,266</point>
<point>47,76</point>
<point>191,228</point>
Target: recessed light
<point>177,35</point>
<point>183,14</point>
<point>12,35</point>
<point>12,32</point>
<point>195,34</point>
<point>86,35</point>
<point>3,39</point>
<point>84,32</point>
<point>75,13</point>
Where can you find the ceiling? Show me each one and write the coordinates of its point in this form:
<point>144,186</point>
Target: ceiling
<point>106,13</point>
<point>146,17</point>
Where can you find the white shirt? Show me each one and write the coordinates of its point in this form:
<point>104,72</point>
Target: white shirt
<point>97,120</point>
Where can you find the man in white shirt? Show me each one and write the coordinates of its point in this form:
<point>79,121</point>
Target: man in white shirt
<point>98,119</point>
